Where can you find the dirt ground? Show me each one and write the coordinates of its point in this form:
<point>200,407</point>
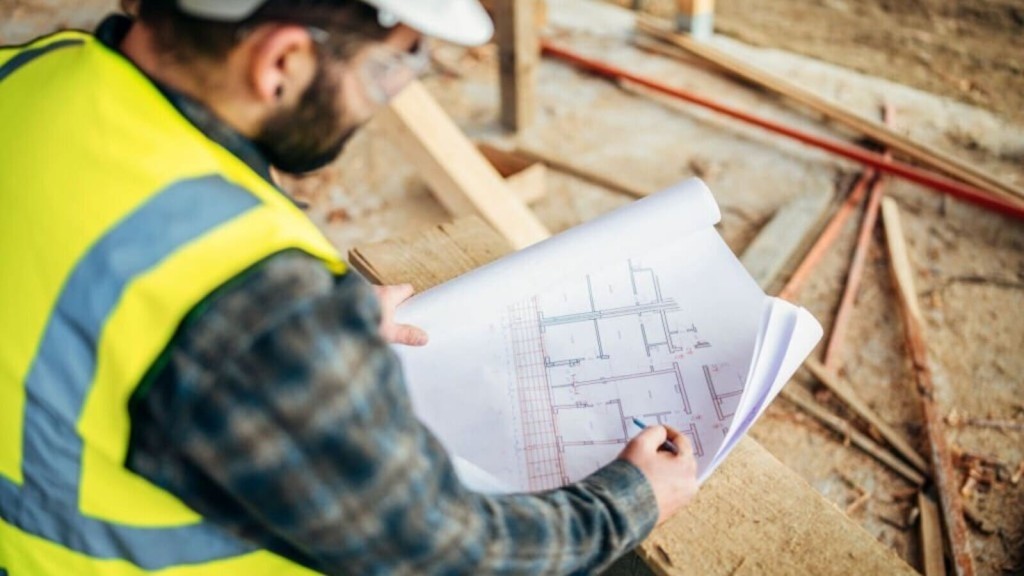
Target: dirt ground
<point>971,50</point>
<point>968,263</point>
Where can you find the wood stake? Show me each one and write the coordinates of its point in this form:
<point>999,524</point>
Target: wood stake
<point>931,537</point>
<point>942,463</point>
<point>883,135</point>
<point>827,238</point>
<point>806,403</point>
<point>563,165</point>
<point>846,394</point>
<point>860,256</point>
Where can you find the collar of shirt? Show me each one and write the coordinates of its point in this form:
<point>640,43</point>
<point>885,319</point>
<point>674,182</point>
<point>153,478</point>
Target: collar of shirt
<point>112,31</point>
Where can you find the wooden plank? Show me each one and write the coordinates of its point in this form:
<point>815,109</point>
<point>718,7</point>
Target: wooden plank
<point>753,512</point>
<point>518,57</point>
<point>562,164</point>
<point>913,323</point>
<point>884,135</point>
<point>432,256</point>
<point>526,178</point>
<point>932,558</point>
<point>846,394</point>
<point>779,241</point>
<point>456,172</point>
<point>805,402</point>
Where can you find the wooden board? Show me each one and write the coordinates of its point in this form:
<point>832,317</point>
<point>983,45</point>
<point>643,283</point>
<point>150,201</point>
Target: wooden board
<point>454,170</point>
<point>527,178</point>
<point>754,514</point>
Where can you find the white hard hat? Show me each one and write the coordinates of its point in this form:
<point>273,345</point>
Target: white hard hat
<point>460,21</point>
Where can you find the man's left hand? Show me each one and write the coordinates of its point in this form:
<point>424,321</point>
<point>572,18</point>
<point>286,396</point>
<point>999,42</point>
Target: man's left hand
<point>390,297</point>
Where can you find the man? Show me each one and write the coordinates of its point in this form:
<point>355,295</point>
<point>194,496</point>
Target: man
<point>190,381</point>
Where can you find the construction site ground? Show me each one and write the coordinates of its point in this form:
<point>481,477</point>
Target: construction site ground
<point>968,262</point>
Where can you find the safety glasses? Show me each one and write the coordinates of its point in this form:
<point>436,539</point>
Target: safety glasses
<point>383,69</point>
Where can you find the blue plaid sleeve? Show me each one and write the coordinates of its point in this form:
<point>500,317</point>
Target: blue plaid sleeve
<point>280,414</point>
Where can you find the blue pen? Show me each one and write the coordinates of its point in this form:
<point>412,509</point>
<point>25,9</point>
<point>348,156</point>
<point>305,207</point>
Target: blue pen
<point>667,446</point>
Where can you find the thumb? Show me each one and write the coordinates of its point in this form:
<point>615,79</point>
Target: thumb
<point>651,438</point>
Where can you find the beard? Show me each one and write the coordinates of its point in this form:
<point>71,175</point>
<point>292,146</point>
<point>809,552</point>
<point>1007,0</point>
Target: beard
<point>313,133</point>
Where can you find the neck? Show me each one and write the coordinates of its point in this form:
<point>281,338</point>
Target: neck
<point>139,46</point>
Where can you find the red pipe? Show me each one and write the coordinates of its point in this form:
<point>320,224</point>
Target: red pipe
<point>877,161</point>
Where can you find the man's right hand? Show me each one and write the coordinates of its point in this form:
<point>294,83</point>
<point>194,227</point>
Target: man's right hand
<point>672,476</point>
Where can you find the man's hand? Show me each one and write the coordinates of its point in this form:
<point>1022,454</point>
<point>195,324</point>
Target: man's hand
<point>390,297</point>
<point>673,477</point>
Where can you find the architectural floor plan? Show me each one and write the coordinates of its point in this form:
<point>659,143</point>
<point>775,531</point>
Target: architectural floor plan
<point>539,362</point>
<point>593,354</point>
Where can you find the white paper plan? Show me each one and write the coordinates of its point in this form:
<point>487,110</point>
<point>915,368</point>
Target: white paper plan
<point>538,362</point>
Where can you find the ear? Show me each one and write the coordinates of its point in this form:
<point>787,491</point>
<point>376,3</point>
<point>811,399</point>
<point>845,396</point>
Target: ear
<point>282,63</point>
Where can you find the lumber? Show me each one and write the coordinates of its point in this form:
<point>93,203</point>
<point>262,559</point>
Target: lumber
<point>827,237</point>
<point>805,402</point>
<point>934,181</point>
<point>526,178</point>
<point>430,256</point>
<point>846,394</point>
<point>950,500</point>
<point>454,169</point>
<point>880,133</point>
<point>932,558</point>
<point>775,246</point>
<point>562,164</point>
<point>753,511</point>
<point>518,59</point>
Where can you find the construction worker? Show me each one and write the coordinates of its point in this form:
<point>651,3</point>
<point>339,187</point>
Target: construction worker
<point>191,382</point>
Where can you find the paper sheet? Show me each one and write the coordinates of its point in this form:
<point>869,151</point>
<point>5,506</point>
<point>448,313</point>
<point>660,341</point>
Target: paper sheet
<point>538,362</point>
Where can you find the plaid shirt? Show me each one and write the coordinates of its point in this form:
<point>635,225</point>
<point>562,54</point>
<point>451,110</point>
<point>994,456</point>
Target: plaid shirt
<point>279,413</point>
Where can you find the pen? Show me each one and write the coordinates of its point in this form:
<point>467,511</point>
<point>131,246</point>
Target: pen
<point>667,446</point>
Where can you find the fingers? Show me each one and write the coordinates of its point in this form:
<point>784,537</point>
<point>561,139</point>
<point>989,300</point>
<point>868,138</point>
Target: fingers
<point>390,297</point>
<point>406,334</point>
<point>650,438</point>
<point>682,441</point>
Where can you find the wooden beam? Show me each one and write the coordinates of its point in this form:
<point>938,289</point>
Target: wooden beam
<point>884,135</point>
<point>846,394</point>
<point>456,172</point>
<point>932,557</point>
<point>913,324</point>
<point>696,18</point>
<point>518,57</point>
<point>526,178</point>
<point>785,236</point>
<point>828,236</point>
<point>753,511</point>
<point>562,164</point>
<point>808,404</point>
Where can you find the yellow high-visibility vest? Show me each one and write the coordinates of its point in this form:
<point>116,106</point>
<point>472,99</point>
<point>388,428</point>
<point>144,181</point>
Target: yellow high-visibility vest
<point>117,217</point>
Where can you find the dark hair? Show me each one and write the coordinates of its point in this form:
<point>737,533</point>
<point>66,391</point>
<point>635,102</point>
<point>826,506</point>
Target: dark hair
<point>350,24</point>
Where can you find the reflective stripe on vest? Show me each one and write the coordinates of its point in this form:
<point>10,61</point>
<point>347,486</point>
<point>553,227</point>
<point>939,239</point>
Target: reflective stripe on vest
<point>106,303</point>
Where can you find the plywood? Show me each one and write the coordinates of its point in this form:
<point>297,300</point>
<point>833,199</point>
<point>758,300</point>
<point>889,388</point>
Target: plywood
<point>754,516</point>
